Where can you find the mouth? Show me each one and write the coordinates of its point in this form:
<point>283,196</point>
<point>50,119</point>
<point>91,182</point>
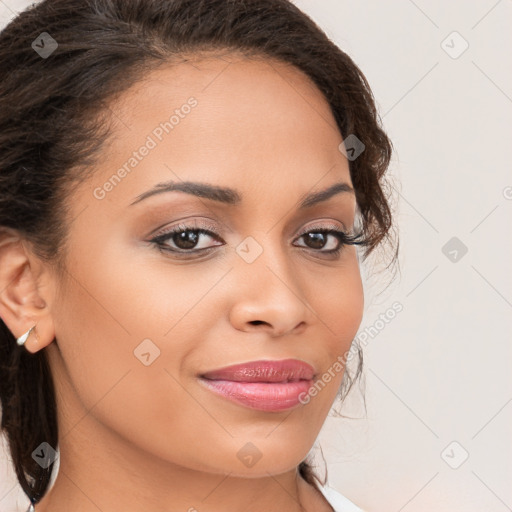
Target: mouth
<point>262,385</point>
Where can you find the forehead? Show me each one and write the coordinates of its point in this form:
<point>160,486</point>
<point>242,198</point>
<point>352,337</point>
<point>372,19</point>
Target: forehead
<point>224,119</point>
<point>227,76</point>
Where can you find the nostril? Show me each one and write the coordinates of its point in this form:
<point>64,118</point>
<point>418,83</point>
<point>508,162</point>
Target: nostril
<point>257,322</point>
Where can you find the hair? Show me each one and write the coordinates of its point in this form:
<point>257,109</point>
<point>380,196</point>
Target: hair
<point>54,120</point>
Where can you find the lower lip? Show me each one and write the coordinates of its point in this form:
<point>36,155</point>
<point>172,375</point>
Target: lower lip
<point>264,396</point>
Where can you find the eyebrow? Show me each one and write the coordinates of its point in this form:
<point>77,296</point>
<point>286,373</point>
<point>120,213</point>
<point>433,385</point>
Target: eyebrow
<point>231,197</point>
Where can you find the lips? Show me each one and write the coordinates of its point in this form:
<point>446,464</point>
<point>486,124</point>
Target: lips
<point>287,370</point>
<point>268,386</point>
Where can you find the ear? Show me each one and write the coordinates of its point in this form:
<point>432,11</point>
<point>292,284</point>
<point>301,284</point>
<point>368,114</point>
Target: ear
<point>22,294</point>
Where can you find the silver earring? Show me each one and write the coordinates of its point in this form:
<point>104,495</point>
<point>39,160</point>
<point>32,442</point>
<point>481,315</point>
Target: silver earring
<point>31,508</point>
<point>21,340</point>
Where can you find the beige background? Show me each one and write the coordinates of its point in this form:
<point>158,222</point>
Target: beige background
<point>438,385</point>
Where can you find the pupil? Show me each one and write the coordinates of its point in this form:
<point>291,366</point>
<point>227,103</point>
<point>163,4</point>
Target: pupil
<point>186,239</point>
<point>317,237</point>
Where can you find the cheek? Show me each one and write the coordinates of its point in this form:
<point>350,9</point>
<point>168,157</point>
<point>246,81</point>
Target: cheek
<point>93,340</point>
<point>113,318</point>
<point>98,331</point>
<point>340,307</point>
<point>339,304</point>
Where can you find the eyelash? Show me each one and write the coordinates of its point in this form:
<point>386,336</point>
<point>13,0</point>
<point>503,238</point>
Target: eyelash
<point>344,239</point>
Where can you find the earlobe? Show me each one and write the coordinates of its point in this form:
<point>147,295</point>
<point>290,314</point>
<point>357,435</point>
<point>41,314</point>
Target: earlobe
<point>39,335</point>
<point>23,338</point>
<point>21,305</point>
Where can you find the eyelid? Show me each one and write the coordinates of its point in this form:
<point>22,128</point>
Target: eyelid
<point>207,225</point>
<point>184,225</point>
<point>320,226</point>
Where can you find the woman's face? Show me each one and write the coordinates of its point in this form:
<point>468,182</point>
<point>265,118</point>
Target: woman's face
<point>137,325</point>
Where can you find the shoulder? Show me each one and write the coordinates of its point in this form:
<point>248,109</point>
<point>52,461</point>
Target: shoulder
<point>338,502</point>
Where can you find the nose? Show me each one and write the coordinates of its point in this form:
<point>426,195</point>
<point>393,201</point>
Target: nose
<point>269,296</point>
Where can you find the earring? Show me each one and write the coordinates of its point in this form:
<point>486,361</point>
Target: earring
<point>23,338</point>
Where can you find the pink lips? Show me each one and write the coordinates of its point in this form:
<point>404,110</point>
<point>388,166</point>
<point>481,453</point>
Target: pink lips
<point>263,385</point>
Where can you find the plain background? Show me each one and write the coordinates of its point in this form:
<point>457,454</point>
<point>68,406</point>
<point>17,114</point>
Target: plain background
<point>436,431</point>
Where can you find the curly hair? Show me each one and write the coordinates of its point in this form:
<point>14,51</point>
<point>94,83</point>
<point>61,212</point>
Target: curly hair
<point>54,123</point>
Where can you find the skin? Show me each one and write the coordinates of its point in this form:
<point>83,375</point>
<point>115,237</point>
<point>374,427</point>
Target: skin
<point>136,437</point>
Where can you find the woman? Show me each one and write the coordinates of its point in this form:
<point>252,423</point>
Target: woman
<point>183,189</point>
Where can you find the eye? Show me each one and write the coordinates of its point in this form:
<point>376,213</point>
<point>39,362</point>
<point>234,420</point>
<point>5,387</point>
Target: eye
<point>186,239</point>
<point>324,240</point>
<point>183,240</point>
<point>328,240</point>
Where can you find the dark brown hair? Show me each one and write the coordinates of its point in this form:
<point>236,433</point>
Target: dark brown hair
<point>54,119</point>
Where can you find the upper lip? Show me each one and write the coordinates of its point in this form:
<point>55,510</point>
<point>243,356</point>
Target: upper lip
<point>264,371</point>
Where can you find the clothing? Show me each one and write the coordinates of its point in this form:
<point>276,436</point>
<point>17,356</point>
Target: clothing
<point>338,502</point>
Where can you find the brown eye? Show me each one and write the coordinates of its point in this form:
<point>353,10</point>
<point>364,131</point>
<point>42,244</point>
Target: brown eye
<point>324,240</point>
<point>316,240</point>
<point>185,239</point>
